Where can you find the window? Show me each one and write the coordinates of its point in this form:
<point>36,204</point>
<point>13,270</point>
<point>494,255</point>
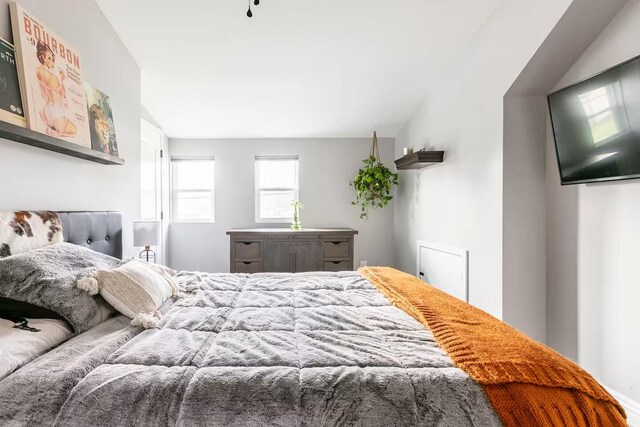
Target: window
<point>276,188</point>
<point>599,105</point>
<point>193,189</point>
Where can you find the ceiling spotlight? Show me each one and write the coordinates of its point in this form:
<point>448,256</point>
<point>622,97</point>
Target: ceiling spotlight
<point>249,12</point>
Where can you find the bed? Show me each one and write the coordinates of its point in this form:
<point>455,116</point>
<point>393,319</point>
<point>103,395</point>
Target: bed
<point>350,348</point>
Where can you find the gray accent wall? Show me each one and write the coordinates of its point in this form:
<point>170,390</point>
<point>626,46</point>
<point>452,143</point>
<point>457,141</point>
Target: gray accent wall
<point>32,178</point>
<point>325,168</point>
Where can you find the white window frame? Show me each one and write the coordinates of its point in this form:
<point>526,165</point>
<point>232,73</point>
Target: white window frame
<point>258,189</point>
<point>174,190</point>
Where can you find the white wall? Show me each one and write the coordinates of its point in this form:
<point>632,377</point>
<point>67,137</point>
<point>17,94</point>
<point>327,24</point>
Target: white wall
<point>603,239</point>
<point>524,215</point>
<point>460,203</point>
<point>530,216</point>
<point>562,258</point>
<point>32,178</point>
<point>326,167</point>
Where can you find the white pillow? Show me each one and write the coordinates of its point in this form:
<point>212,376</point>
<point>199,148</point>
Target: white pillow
<point>136,289</point>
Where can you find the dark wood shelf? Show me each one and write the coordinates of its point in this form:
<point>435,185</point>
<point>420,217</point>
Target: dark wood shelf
<point>36,139</point>
<point>419,160</point>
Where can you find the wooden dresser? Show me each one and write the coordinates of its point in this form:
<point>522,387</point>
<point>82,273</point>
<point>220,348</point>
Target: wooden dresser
<point>255,250</point>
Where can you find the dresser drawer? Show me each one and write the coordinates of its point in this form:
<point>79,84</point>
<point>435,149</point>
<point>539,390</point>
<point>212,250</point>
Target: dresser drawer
<point>336,266</point>
<point>336,249</point>
<point>247,250</point>
<point>247,267</point>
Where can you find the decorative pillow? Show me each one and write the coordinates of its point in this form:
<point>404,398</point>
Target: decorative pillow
<point>136,289</point>
<point>23,231</point>
<point>161,268</point>
<point>47,278</point>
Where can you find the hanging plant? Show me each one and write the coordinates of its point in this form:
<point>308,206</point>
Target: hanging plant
<point>373,182</point>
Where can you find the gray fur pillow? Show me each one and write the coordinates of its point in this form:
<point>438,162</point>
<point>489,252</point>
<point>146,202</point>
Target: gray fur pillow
<point>22,231</point>
<point>47,277</point>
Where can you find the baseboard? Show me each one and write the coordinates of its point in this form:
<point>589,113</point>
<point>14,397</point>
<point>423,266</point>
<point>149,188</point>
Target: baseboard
<point>630,406</point>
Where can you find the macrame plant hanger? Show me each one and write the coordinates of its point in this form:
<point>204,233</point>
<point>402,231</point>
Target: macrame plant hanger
<point>374,147</point>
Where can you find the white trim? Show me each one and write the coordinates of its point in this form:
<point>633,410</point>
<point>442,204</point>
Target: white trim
<point>292,157</point>
<point>631,407</point>
<point>463,253</point>
<point>152,137</point>
<point>189,158</point>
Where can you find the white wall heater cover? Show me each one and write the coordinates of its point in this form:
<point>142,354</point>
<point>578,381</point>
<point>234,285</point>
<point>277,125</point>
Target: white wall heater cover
<point>445,268</point>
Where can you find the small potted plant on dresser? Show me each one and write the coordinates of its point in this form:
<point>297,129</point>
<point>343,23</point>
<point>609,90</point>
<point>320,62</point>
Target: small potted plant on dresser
<point>296,225</point>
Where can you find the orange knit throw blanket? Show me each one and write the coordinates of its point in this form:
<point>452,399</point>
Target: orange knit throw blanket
<point>527,383</point>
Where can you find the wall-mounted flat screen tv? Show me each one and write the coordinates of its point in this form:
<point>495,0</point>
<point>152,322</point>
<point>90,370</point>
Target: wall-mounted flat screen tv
<point>596,125</point>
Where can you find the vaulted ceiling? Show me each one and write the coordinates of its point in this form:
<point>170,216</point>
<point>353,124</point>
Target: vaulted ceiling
<point>298,68</point>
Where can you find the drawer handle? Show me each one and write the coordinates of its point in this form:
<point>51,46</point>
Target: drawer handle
<point>246,262</point>
<point>336,262</point>
<point>336,243</point>
<point>247,243</point>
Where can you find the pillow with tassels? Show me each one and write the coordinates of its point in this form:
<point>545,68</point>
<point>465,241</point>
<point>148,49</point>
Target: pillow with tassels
<point>136,289</point>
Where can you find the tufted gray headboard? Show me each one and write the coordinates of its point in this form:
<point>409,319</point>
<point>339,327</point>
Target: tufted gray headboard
<point>99,231</point>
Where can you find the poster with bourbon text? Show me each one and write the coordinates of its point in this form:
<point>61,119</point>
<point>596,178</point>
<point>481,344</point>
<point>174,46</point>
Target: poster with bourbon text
<point>50,75</point>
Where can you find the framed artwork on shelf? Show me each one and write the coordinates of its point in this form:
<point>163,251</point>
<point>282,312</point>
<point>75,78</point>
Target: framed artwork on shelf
<point>50,76</point>
<point>101,127</point>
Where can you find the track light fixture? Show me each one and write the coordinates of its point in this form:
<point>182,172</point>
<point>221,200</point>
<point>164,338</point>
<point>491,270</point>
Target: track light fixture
<point>255,3</point>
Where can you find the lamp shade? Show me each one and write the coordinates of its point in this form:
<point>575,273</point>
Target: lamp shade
<point>146,233</point>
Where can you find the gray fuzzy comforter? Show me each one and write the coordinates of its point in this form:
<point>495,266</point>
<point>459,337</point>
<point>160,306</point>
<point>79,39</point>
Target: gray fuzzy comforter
<point>251,350</point>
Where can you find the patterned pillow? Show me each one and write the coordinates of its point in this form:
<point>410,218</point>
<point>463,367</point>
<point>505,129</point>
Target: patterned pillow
<point>23,231</point>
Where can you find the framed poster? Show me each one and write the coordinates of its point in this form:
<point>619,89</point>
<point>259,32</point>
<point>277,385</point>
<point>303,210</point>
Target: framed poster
<point>50,76</point>
<point>101,128</point>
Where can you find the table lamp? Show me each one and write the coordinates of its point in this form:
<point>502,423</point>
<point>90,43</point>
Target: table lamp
<point>147,234</point>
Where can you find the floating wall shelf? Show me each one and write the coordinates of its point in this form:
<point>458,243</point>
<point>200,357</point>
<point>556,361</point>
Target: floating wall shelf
<point>419,160</point>
<point>37,139</point>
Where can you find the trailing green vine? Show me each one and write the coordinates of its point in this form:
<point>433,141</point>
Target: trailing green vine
<point>373,183</point>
